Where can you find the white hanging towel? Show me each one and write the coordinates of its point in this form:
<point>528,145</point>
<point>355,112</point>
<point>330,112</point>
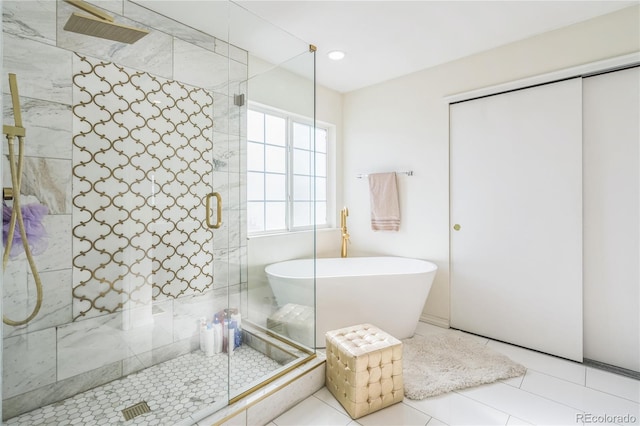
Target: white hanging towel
<point>385,209</point>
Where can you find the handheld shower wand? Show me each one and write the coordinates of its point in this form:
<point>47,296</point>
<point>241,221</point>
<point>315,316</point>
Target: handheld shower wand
<point>16,214</point>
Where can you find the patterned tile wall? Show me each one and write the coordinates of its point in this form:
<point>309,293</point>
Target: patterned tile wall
<point>56,356</point>
<point>142,163</point>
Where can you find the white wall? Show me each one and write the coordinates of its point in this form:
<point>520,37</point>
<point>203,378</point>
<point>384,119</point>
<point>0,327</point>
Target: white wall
<point>403,124</point>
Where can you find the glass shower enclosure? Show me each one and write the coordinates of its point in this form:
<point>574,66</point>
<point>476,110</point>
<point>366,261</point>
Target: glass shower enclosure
<point>138,294</point>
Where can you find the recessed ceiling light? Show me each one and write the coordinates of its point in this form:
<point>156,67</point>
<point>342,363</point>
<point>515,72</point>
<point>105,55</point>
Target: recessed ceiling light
<point>335,55</point>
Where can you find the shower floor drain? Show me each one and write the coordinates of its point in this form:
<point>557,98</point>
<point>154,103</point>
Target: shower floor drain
<point>136,410</point>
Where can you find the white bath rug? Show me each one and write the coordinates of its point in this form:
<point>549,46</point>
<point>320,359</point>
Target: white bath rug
<point>444,362</point>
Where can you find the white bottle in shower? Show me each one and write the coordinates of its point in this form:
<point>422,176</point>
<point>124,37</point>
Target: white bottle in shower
<point>209,349</point>
<point>217,335</point>
<point>203,331</point>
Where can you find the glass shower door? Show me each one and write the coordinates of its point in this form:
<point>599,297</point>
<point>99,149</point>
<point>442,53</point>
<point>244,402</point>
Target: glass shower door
<point>121,150</point>
<point>124,144</point>
<point>284,80</point>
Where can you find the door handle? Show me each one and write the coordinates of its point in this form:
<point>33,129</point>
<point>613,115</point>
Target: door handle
<point>456,227</point>
<point>218,223</point>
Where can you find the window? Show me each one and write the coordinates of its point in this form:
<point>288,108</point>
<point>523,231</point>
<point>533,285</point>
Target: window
<point>286,170</point>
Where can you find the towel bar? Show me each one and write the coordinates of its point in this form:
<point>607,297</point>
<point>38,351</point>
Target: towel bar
<point>408,173</point>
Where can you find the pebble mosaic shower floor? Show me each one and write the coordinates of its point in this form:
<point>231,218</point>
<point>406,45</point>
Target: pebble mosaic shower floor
<point>173,390</point>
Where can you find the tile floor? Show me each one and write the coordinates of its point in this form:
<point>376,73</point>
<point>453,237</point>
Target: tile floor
<point>553,391</point>
<point>174,390</point>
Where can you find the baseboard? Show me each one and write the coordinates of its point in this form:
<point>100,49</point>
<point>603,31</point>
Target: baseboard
<point>612,368</point>
<point>433,320</point>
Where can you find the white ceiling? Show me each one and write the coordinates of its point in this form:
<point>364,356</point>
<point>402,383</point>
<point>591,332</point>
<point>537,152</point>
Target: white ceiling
<point>386,39</point>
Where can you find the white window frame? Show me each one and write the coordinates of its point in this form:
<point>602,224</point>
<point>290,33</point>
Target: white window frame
<point>292,118</point>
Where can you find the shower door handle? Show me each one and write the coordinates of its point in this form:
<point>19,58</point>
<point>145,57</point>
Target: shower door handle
<point>218,223</point>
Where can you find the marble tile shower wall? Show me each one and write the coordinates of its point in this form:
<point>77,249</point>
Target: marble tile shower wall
<point>54,357</point>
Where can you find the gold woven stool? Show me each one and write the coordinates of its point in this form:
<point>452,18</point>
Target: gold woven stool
<point>364,369</point>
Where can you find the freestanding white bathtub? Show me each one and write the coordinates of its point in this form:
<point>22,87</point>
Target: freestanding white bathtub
<point>388,292</point>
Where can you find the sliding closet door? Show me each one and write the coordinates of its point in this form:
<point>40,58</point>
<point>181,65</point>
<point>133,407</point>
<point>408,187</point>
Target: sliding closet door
<point>516,217</point>
<point>612,218</point>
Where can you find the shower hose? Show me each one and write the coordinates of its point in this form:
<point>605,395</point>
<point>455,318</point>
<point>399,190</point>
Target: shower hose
<point>16,213</point>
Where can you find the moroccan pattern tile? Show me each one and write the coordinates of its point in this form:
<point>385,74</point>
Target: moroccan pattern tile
<point>142,149</point>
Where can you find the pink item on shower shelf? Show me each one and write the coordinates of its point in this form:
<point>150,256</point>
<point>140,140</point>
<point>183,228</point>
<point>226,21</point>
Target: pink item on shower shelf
<point>32,215</point>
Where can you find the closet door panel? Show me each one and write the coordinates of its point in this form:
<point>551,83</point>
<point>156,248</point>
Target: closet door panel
<point>516,192</point>
<point>612,218</point>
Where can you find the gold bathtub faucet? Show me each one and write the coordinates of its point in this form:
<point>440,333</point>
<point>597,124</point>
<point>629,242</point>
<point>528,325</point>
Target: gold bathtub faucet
<point>345,235</point>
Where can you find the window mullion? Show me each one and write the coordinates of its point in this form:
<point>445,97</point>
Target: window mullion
<point>264,173</point>
<point>289,171</point>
